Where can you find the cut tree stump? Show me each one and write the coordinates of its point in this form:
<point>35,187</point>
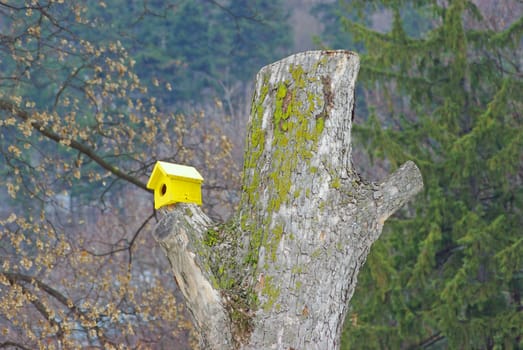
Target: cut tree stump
<point>281,273</point>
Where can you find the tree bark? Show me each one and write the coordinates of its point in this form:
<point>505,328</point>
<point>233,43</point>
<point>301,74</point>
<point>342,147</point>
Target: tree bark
<point>280,275</point>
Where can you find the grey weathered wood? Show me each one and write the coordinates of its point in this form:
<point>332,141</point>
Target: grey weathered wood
<point>180,233</point>
<point>306,220</point>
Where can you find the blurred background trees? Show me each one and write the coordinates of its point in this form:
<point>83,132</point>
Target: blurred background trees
<point>92,94</point>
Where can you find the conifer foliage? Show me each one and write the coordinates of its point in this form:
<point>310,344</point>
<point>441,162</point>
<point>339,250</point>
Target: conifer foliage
<point>448,97</point>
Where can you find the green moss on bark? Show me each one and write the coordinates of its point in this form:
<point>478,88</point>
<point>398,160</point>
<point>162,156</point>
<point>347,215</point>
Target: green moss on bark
<point>300,107</point>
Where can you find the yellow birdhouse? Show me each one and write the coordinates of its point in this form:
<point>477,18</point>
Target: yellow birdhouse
<point>175,183</point>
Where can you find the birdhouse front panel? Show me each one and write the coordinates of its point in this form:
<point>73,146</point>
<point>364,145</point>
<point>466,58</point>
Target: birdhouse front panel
<point>175,183</point>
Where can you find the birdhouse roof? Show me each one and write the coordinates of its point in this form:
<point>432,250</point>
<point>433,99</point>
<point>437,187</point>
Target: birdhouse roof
<point>171,170</point>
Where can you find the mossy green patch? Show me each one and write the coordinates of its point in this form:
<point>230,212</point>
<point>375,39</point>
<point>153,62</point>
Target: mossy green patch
<point>317,253</point>
<point>296,130</point>
<point>277,233</point>
<point>271,292</point>
<point>298,285</point>
<point>211,237</point>
<point>297,269</point>
<point>335,182</point>
<point>299,112</point>
<point>219,249</point>
<point>216,244</point>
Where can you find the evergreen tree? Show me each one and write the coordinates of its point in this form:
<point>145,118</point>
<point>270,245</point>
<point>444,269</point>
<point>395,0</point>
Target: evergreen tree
<point>190,46</point>
<point>332,17</point>
<point>450,276</point>
<point>261,35</point>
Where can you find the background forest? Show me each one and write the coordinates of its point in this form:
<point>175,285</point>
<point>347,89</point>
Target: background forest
<point>93,93</point>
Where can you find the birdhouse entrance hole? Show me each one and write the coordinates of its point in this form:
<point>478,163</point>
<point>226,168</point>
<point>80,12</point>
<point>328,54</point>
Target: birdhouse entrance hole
<point>163,189</point>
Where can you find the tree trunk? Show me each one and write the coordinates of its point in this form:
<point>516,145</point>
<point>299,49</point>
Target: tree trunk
<point>280,275</point>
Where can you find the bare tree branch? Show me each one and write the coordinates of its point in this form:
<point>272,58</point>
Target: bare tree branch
<point>10,107</point>
<point>19,279</point>
<point>10,344</point>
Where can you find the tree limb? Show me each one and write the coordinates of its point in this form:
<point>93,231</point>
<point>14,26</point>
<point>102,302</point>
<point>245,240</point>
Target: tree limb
<point>397,189</point>
<point>22,114</point>
<point>181,233</point>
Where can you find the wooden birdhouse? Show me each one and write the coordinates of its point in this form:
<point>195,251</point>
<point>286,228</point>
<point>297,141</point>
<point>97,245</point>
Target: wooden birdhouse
<point>175,183</point>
